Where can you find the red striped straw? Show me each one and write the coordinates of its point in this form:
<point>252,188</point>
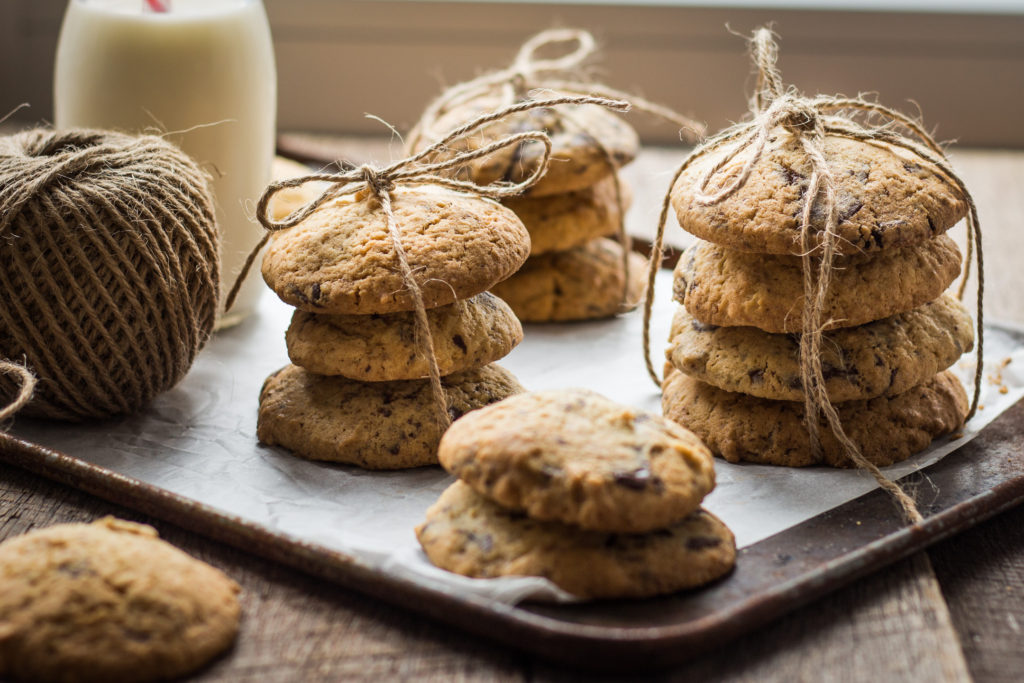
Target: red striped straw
<point>158,6</point>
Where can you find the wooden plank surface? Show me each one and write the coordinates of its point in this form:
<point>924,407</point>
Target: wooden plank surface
<point>964,619</point>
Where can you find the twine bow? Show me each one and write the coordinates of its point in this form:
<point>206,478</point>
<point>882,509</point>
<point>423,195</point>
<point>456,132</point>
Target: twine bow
<point>810,120</point>
<point>530,72</point>
<point>368,181</point>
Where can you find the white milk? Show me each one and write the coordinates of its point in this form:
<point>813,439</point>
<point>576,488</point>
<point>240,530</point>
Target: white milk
<point>204,72</point>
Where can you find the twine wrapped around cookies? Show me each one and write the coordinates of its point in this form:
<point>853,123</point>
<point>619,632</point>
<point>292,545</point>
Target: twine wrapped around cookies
<point>370,183</point>
<point>810,120</point>
<point>529,72</point>
<point>109,271</point>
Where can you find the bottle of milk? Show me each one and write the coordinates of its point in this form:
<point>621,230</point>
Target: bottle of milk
<point>199,71</point>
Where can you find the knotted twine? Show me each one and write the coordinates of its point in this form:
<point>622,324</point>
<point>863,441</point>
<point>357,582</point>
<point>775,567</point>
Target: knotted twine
<point>368,182</point>
<point>109,270</point>
<point>529,72</point>
<point>810,120</point>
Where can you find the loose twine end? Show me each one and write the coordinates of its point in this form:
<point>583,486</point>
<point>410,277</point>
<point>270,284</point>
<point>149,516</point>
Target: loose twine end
<point>811,120</point>
<point>28,384</point>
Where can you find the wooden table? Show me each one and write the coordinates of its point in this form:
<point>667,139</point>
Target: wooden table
<point>953,613</point>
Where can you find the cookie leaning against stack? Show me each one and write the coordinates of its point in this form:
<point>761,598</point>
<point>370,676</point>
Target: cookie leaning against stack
<point>356,393</point>
<point>736,378</point>
<point>574,272</point>
<point>602,500</point>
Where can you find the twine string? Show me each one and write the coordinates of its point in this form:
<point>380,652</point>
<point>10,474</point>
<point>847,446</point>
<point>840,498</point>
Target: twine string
<point>379,183</point>
<point>27,382</point>
<point>810,120</point>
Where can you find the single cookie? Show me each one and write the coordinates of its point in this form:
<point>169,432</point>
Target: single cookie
<point>721,286</point>
<point>468,534</point>
<point>563,221</point>
<point>887,430</point>
<point>584,283</point>
<point>576,457</point>
<point>886,197</point>
<point>376,348</point>
<point>341,259</point>
<point>584,139</point>
<point>376,425</point>
<point>886,357</point>
<point>109,601</point>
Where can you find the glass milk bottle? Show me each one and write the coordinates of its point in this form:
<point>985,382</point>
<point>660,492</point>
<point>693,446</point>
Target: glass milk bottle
<point>201,71</point>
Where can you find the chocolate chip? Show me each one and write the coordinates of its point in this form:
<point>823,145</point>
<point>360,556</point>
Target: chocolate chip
<point>791,176</point>
<point>756,376</point>
<point>637,480</point>
<point>455,413</point>
<point>876,237</point>
<point>702,542</point>
<point>315,292</point>
<point>394,449</point>
<point>298,294</point>
<point>703,327</point>
<point>850,210</point>
<point>460,342</point>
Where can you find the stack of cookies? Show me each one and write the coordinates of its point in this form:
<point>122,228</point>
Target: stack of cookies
<point>574,271</point>
<point>602,500</point>
<point>734,375</point>
<point>356,392</point>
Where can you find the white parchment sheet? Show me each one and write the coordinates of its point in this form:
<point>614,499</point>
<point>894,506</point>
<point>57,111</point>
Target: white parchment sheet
<point>198,441</point>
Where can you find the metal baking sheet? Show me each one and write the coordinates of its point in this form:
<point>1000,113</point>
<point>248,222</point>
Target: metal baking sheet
<point>192,459</point>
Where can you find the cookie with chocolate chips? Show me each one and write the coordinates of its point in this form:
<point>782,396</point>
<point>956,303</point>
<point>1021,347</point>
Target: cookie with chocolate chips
<point>584,283</point>
<point>588,143</point>
<point>563,221</point>
<point>341,260</point>
<point>745,428</point>
<point>468,534</point>
<point>109,601</point>
<point>378,425</point>
<point>576,457</point>
<point>886,197</point>
<point>722,286</point>
<point>376,348</point>
<point>882,358</point>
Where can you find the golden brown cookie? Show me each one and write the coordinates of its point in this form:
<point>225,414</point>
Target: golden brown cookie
<point>574,456</point>
<point>375,348</point>
<point>885,357</point>
<point>584,283</point>
<point>563,221</point>
<point>887,430</point>
<point>721,286</point>
<point>376,425</point>
<point>341,260</point>
<point>468,534</point>
<point>584,138</point>
<point>109,601</point>
<point>887,197</point>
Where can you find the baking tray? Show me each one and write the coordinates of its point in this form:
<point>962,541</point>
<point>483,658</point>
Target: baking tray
<point>773,575</point>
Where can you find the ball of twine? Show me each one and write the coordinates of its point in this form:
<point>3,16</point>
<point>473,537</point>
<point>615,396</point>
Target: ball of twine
<point>109,269</point>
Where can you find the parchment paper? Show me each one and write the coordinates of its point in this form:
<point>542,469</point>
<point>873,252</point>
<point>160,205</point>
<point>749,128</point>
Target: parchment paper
<point>198,441</point>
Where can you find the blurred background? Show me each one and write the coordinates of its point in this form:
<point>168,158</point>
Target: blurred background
<point>961,63</point>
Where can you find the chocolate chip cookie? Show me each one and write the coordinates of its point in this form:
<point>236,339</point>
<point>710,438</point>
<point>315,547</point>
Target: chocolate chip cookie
<point>887,198</point>
<point>588,144</point>
<point>375,425</point>
<point>583,283</point>
<point>721,286</point>
<point>885,357</point>
<point>563,221</point>
<point>887,430</point>
<point>468,534</point>
<point>576,457</point>
<point>374,348</point>
<point>341,259</point>
<point>109,601</point>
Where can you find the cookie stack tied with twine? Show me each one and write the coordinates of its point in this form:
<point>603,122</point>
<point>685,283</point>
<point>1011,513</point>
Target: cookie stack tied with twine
<point>394,333</point>
<point>814,328</point>
<point>602,500</point>
<point>574,272</point>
